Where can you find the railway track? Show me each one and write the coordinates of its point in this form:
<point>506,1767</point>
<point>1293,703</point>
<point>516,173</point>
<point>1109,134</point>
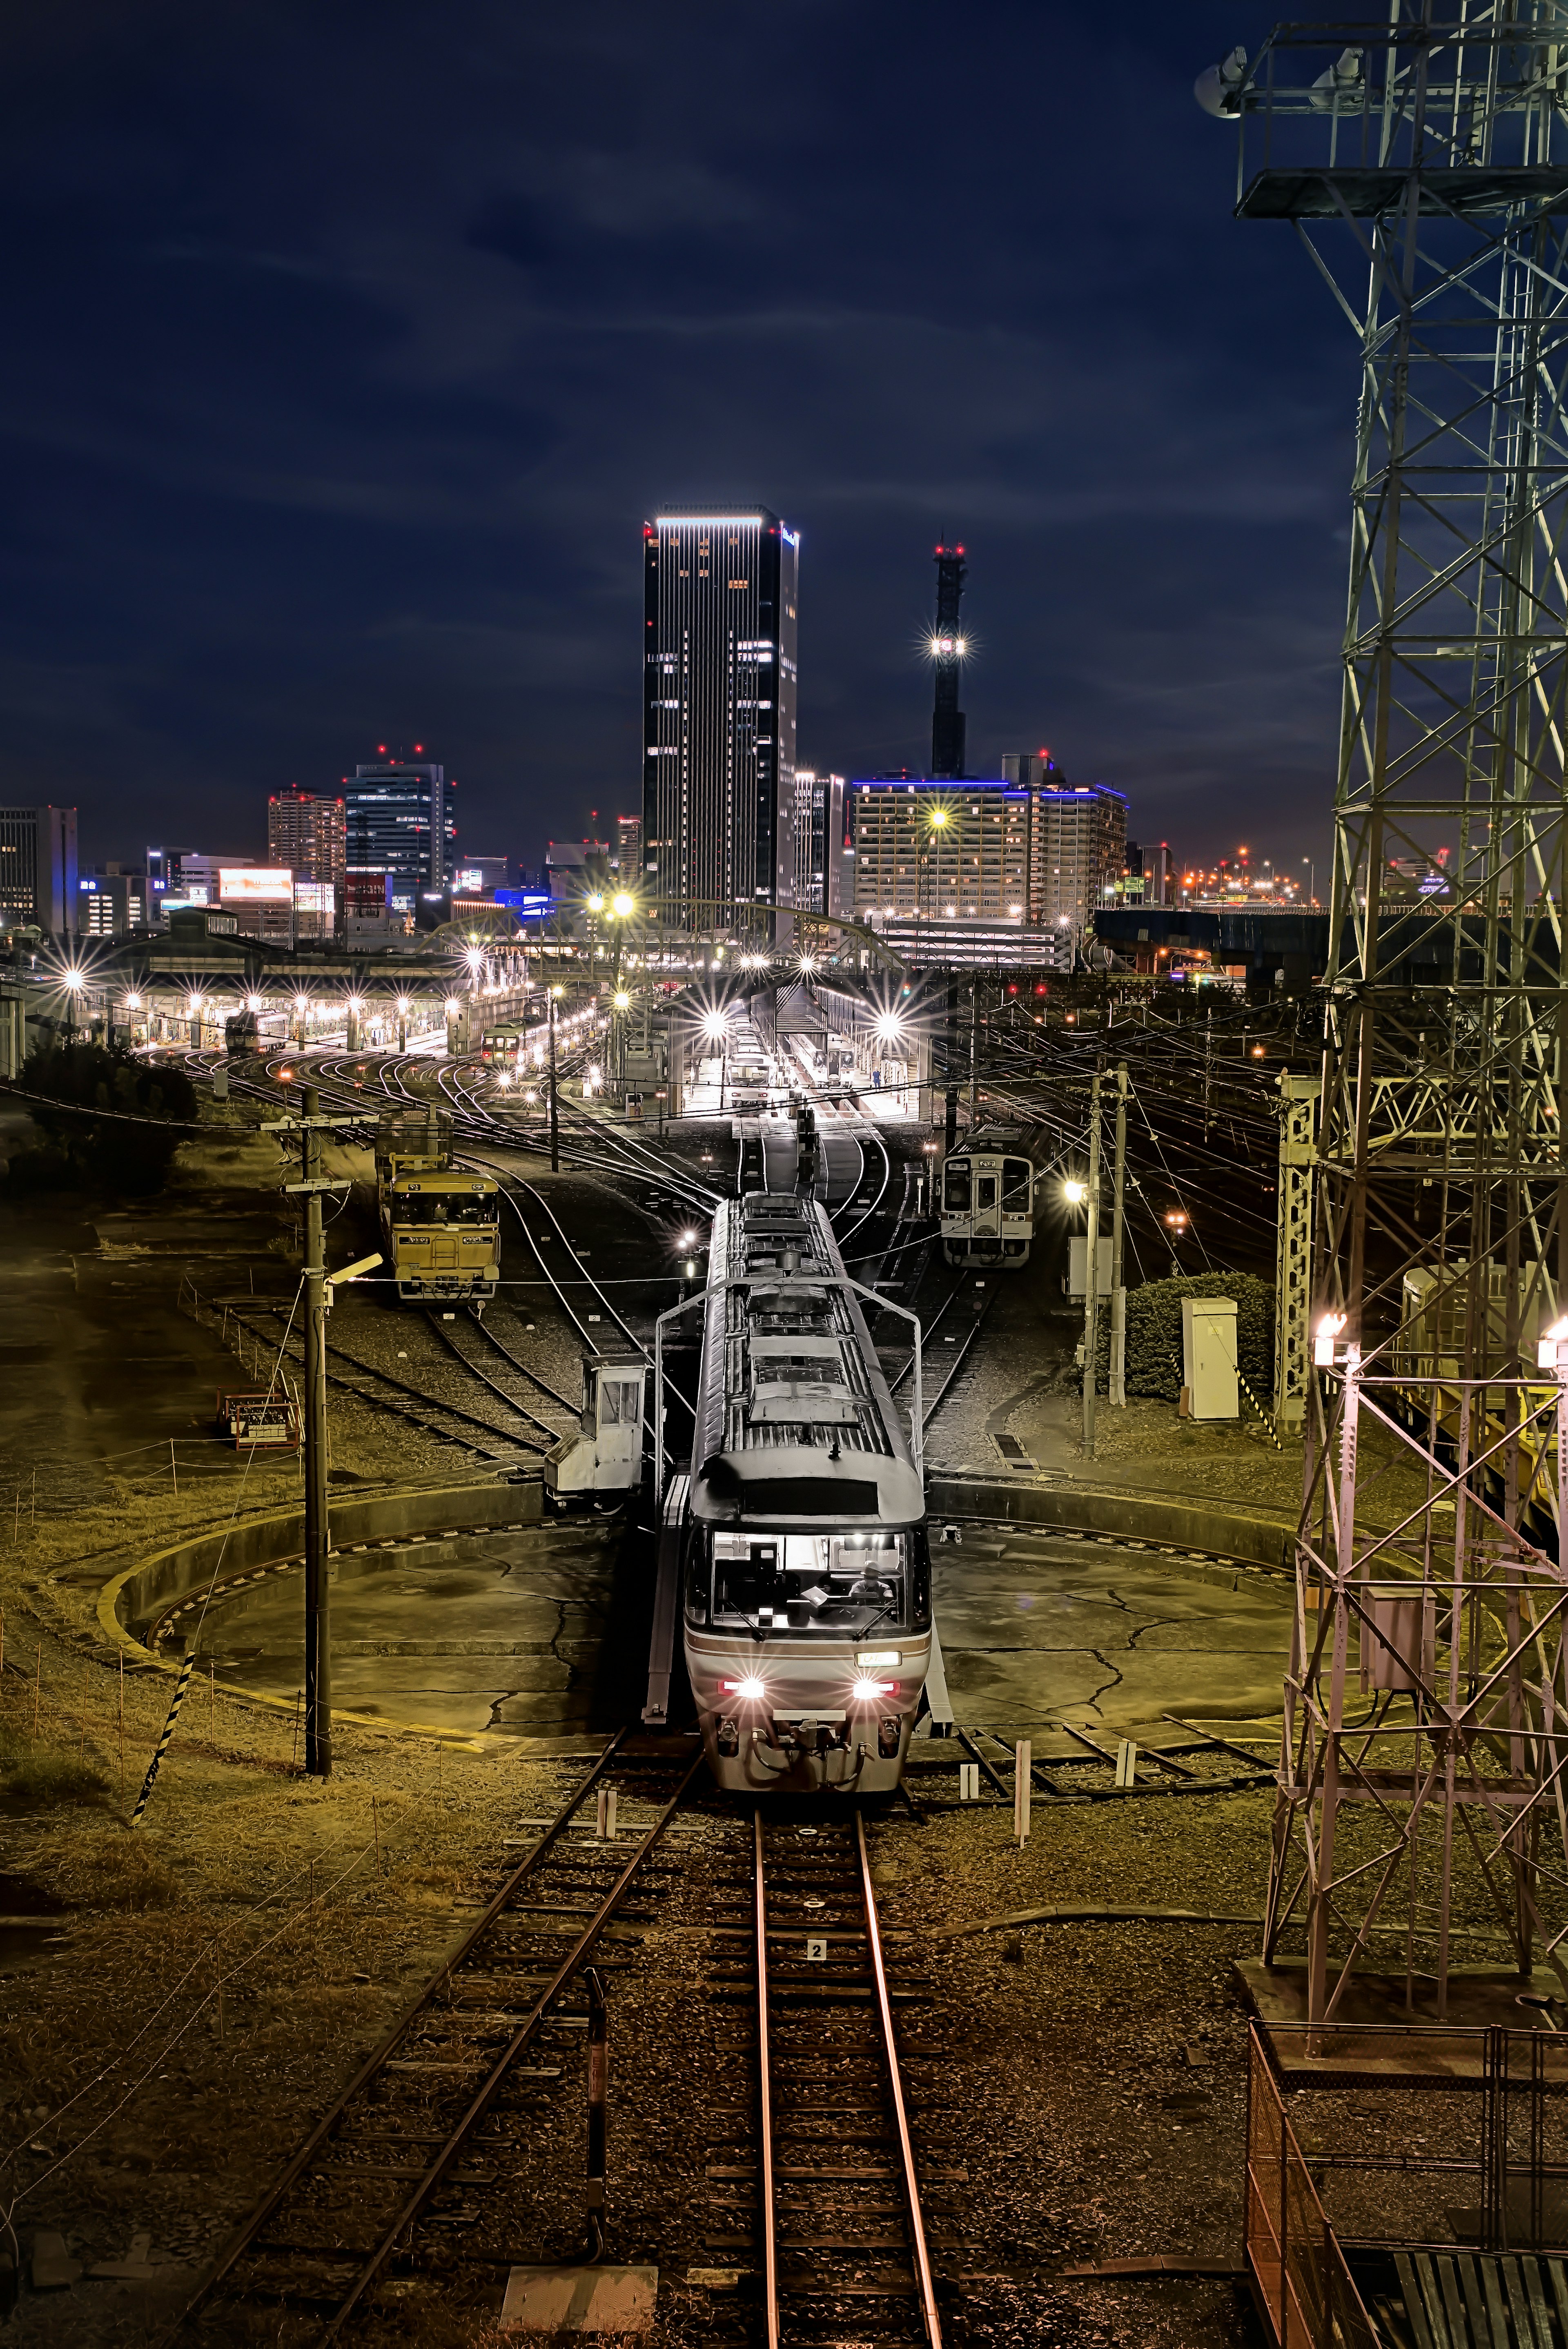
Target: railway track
<point>814,2193</point>
<point>455,2099</point>
<point>403,1396</point>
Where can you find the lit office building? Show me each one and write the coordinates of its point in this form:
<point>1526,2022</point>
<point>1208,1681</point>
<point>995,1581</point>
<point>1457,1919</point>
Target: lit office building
<point>1027,865</point>
<point>114,900</point>
<point>399,820</point>
<point>309,834</point>
<point>719,731</point>
<point>627,863</point>
<point>38,868</point>
<point>818,841</point>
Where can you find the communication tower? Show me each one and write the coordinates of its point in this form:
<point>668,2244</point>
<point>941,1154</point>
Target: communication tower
<point>1422,162</point>
<point>948,649</point>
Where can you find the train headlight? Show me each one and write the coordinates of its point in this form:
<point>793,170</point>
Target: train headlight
<point>749,1690</point>
<point>864,1656</point>
<point>867,1692</point>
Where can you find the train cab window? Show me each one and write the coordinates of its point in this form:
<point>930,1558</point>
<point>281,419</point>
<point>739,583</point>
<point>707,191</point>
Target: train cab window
<point>1015,1186</point>
<point>446,1207</point>
<point>836,1583</point>
<point>955,1186</point>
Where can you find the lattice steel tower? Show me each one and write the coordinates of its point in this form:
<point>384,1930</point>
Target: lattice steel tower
<point>1426,1709</point>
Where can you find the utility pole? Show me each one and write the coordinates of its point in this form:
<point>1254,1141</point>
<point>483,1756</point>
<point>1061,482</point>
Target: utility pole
<point>554,1125</point>
<point>973,1057</point>
<point>317,1644</point>
<point>1118,1292</point>
<point>1091,1270</point>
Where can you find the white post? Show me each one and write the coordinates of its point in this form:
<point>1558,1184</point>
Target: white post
<point>1118,1293</point>
<point>1021,1789</point>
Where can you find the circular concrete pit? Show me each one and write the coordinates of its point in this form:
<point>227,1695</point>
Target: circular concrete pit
<point>512,1631</point>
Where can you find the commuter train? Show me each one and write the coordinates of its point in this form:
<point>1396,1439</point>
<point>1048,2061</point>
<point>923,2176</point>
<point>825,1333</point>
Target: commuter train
<point>806,1572</point>
<point>987,1204</point>
<point>440,1225</point>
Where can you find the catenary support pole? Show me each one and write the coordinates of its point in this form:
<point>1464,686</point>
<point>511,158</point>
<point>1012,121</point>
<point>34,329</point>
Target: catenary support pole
<point>317,1647</point>
<point>555,1126</point>
<point>1118,1290</point>
<point>1091,1269</point>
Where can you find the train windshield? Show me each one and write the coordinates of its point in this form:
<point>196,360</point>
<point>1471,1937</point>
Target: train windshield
<point>1015,1186</point>
<point>829,1582</point>
<point>955,1186</point>
<point>445,1208</point>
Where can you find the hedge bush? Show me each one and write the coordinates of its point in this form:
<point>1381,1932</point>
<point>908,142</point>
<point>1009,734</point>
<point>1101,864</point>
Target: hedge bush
<point>128,1150</point>
<point>1153,1365</point>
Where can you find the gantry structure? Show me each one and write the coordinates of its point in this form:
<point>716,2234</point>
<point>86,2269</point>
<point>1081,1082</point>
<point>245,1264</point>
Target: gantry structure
<point>1422,163</point>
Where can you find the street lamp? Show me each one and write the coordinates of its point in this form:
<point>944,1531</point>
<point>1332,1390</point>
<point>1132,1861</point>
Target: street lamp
<point>1074,1192</point>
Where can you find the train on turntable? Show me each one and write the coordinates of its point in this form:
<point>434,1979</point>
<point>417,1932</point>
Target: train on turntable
<point>804,1567</point>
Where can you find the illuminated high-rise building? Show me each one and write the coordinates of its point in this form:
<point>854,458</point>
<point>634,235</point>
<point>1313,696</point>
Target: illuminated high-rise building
<point>400,820</point>
<point>308,834</point>
<point>719,730</point>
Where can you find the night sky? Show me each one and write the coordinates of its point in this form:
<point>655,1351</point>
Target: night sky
<point>347,348</point>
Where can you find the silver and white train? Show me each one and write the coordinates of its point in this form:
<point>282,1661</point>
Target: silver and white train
<point>987,1204</point>
<point>805,1576</point>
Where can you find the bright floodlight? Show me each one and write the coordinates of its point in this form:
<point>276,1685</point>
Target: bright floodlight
<point>474,957</point>
<point>1327,1330</point>
<point>867,1692</point>
<point>133,1002</point>
<point>356,1003</point>
<point>622,1000</point>
<point>1546,1347</point>
<point>621,904</point>
<point>713,1023</point>
<point>402,1002</point>
<point>302,1002</point>
<point>1074,1192</point>
<point>939,817</point>
<point>75,981</point>
<point>453,1007</point>
<point>887,1027</point>
<point>195,1004</point>
<point>252,1003</point>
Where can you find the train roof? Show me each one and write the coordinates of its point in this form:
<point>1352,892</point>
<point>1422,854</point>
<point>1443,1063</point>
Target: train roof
<point>795,1424</point>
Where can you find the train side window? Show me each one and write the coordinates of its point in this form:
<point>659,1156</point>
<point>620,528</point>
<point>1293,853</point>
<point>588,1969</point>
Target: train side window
<point>955,1187</point>
<point>1015,1186</point>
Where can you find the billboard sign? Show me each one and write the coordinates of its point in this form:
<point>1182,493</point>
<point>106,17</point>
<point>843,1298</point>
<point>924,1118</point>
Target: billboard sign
<point>255,885</point>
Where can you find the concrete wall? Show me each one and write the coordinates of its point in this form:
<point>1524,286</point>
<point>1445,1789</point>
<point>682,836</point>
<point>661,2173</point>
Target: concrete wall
<point>1129,1516</point>
<point>134,1600</point>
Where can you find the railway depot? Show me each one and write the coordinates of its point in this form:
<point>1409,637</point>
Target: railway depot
<point>909,1859</point>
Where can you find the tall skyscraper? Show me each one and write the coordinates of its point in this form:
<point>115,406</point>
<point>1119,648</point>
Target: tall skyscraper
<point>947,654</point>
<point>399,820</point>
<point>309,834</point>
<point>718,719</point>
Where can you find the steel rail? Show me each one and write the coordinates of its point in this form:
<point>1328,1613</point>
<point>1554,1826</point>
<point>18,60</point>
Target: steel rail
<point>581,1950</point>
<point>490,1338</point>
<point>378,1402</point>
<point>493,1384</point>
<point>764,2075</point>
<point>925,2280</point>
<point>957,1363</point>
<point>294,2169</point>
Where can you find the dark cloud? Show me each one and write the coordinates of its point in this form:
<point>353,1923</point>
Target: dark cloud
<point>347,349</point>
